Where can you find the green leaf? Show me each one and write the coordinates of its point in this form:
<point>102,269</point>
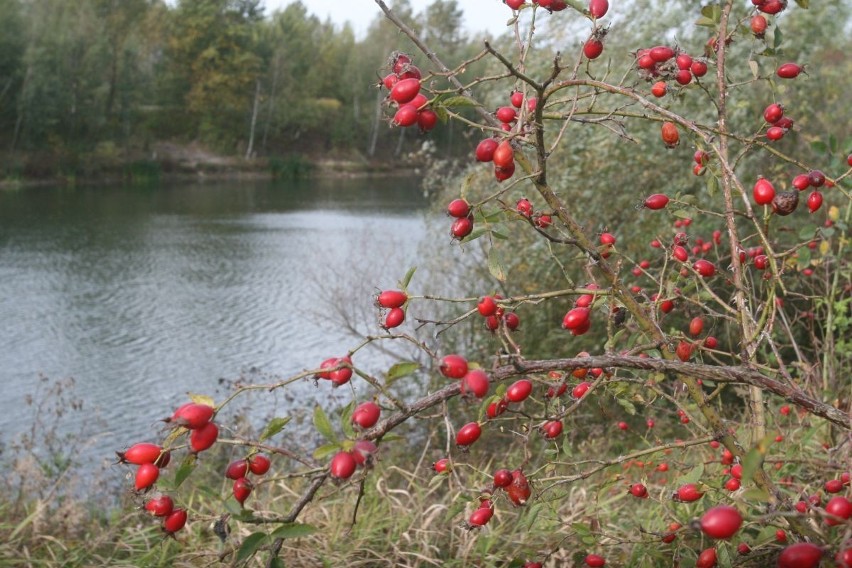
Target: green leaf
<point>346,419</point>
<point>576,5</point>
<point>495,217</point>
<point>754,457</point>
<point>804,3</point>
<point>483,408</point>
<point>766,533</point>
<point>566,447</point>
<point>803,257</point>
<point>245,515</point>
<point>692,476</point>
<point>406,280</point>
<point>276,563</point>
<point>437,479</point>
<point>628,406</point>
<point>326,450</point>
<point>251,545</point>
<point>613,341</point>
<point>686,213</point>
<point>437,99</point>
<point>323,425</point>
<point>495,265</point>
<point>657,377</point>
<point>581,529</point>
<point>273,427</point>
<point>186,468</point>
<point>755,495</point>
<point>232,506</point>
<point>293,530</point>
<point>723,557</point>
<point>392,438</point>
<point>458,102</point>
<point>806,233</point>
<point>443,116</point>
<point>819,146</point>
<point>778,38</point>
<point>475,234</point>
<point>498,228</point>
<point>400,370</point>
<point>712,12</point>
<point>532,515</point>
<point>706,22</point>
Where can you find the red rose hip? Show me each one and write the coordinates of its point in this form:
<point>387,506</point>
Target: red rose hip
<point>721,522</point>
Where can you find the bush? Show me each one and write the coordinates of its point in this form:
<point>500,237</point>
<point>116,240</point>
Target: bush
<point>649,333</point>
<point>291,166</point>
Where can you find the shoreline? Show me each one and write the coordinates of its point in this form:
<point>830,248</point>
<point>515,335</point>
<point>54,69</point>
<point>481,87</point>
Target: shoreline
<point>170,162</point>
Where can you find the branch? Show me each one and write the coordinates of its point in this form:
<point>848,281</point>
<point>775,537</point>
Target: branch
<point>508,65</point>
<point>719,374</point>
<point>303,501</point>
<point>603,464</point>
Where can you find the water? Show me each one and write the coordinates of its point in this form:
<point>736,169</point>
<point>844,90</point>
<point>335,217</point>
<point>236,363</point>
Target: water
<point>144,294</point>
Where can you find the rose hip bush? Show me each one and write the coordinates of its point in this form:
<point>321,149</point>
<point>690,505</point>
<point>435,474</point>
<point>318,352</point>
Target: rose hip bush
<point>662,375</point>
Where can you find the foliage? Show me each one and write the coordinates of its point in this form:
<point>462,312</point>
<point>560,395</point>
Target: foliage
<point>132,73</point>
<point>290,167</point>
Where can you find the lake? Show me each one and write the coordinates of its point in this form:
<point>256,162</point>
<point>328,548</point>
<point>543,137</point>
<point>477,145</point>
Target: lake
<point>142,294</point>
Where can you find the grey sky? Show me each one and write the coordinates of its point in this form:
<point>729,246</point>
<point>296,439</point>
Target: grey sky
<point>490,15</point>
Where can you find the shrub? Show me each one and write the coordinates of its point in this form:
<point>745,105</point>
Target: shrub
<point>642,354</point>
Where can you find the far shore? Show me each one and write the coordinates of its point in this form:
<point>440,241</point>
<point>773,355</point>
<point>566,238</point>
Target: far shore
<point>190,163</point>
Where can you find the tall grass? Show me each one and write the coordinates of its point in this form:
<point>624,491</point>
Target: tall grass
<point>56,511</point>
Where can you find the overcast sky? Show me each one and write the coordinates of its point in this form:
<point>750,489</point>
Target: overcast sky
<point>490,15</point>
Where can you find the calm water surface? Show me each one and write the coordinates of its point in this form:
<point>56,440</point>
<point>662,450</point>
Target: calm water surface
<point>144,294</point>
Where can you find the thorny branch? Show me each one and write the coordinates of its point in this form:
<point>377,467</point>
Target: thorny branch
<point>690,373</point>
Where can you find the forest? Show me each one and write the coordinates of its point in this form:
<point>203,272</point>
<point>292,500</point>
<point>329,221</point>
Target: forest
<point>107,86</point>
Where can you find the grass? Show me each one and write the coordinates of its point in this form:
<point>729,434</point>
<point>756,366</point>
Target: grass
<point>55,512</point>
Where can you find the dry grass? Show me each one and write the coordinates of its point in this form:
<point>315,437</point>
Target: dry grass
<point>407,516</point>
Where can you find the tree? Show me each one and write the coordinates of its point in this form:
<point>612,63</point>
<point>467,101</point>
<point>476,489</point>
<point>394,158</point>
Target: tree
<point>307,97</point>
<point>11,53</point>
<point>443,26</point>
<point>119,19</point>
<point>214,66</point>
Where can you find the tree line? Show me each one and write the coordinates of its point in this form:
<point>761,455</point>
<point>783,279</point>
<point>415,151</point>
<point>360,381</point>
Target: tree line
<point>107,79</point>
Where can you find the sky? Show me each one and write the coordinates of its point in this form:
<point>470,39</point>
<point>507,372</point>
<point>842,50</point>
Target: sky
<point>479,15</point>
